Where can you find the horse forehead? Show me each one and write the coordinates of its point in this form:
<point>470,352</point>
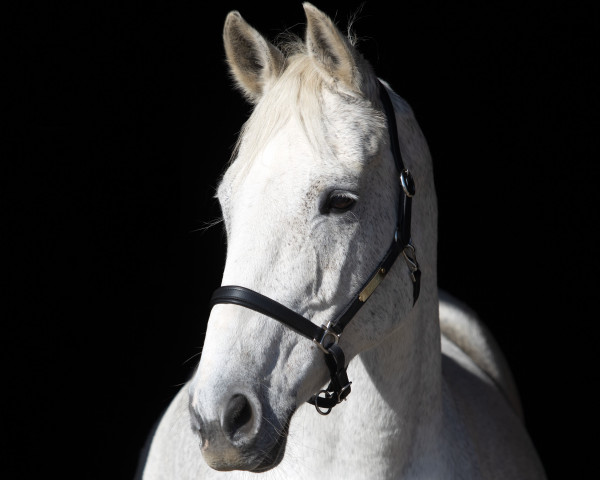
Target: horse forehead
<point>284,164</point>
<point>354,130</point>
<point>339,142</point>
<point>287,167</point>
<point>286,155</point>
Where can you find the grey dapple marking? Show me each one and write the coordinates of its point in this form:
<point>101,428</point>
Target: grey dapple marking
<point>416,410</point>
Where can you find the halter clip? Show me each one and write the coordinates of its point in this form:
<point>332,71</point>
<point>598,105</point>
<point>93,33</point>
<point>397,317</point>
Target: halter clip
<point>410,256</point>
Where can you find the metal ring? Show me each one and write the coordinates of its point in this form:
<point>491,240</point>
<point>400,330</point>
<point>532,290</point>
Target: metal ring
<point>327,396</point>
<point>407,182</point>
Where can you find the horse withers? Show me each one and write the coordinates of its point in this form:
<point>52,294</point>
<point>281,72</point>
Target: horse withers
<point>329,296</point>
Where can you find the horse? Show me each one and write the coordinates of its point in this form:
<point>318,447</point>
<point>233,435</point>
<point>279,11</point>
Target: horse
<point>330,350</point>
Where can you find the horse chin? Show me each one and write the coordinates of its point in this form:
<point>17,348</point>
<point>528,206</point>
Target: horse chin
<point>274,456</point>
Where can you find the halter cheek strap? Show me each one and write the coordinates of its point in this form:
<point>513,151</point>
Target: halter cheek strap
<point>327,336</point>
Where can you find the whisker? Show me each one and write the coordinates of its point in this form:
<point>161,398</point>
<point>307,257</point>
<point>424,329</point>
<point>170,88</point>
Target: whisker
<point>193,356</point>
<point>208,225</point>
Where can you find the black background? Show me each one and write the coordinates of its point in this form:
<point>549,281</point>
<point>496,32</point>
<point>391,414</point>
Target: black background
<point>121,119</point>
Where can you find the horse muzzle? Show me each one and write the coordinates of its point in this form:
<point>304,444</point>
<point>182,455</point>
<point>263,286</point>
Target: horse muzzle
<point>240,435</point>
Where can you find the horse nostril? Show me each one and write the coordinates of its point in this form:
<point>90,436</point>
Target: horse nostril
<point>238,418</point>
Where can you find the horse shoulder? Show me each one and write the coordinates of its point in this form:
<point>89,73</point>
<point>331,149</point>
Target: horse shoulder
<point>483,397</point>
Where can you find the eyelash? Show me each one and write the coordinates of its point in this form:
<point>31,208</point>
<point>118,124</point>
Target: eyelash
<point>346,202</point>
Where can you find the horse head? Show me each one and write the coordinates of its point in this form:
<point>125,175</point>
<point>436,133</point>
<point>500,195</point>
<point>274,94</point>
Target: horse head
<point>309,204</point>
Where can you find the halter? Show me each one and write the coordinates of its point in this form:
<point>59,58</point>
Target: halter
<point>327,336</point>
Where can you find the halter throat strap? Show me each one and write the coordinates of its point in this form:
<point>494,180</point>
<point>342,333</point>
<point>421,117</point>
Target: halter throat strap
<point>327,336</point>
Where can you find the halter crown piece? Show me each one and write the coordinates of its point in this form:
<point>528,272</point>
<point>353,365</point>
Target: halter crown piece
<point>327,336</point>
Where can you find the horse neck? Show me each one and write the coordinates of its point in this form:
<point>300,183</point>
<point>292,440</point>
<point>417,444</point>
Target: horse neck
<point>404,373</point>
<point>394,415</point>
<point>404,370</point>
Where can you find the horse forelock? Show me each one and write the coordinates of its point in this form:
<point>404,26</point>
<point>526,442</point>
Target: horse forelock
<point>298,95</point>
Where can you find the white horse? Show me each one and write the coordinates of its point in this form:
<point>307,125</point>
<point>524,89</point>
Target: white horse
<point>310,206</point>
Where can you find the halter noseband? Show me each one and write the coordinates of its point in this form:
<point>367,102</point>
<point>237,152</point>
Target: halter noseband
<point>327,336</point>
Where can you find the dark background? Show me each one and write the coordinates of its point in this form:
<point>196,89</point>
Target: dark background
<point>121,119</point>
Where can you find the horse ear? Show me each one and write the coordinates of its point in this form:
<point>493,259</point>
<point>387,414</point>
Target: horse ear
<point>253,60</point>
<point>330,47</point>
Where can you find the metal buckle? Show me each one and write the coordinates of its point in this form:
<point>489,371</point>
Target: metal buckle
<point>407,182</point>
<point>328,333</point>
<point>341,396</point>
<point>344,396</point>
<point>410,256</point>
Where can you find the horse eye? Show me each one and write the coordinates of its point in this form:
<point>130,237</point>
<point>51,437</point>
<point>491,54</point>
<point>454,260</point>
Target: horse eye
<point>339,202</point>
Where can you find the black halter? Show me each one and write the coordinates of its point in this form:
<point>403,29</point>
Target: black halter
<point>327,336</point>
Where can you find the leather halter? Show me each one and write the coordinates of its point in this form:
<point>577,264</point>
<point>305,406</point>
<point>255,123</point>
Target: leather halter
<point>327,336</point>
